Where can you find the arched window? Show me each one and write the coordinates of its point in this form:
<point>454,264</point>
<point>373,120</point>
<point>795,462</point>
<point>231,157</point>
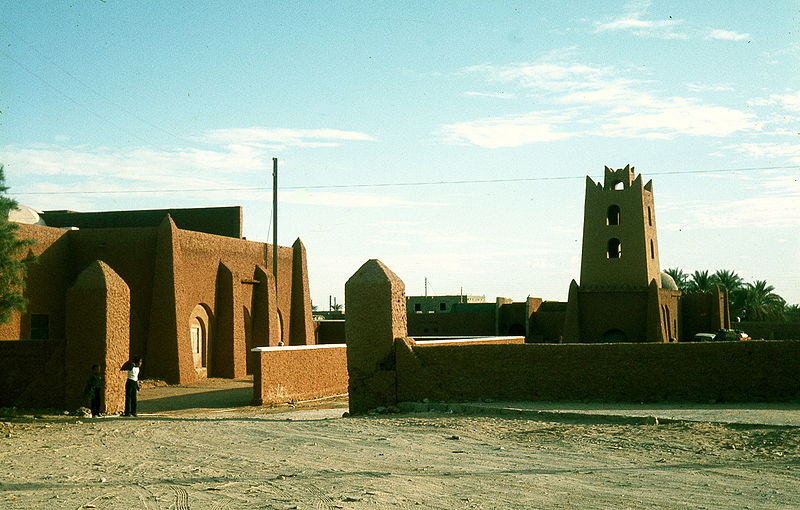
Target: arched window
<point>612,217</point>
<point>614,249</point>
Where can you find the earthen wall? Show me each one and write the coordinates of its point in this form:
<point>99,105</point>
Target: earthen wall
<point>635,372</point>
<point>288,374</point>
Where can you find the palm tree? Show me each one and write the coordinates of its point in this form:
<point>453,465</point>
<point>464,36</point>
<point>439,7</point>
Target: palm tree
<point>792,313</point>
<point>728,280</point>
<point>760,303</point>
<point>681,278</point>
<point>700,281</point>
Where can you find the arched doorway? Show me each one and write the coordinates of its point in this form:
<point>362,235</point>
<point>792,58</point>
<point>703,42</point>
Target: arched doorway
<point>200,332</point>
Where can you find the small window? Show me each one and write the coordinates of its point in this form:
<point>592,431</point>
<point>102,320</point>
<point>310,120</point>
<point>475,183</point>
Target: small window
<point>612,218</point>
<point>442,307</point>
<point>614,249</point>
<point>652,249</point>
<point>649,216</point>
<point>417,307</point>
<point>40,326</point>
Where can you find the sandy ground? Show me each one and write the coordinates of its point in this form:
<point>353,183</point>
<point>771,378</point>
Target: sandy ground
<point>204,448</point>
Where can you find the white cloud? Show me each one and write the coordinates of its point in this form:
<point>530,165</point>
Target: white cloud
<point>283,137</point>
<point>790,151</point>
<point>680,116</point>
<point>511,131</point>
<point>697,87</point>
<point>228,159</point>
<point>726,35</point>
<point>633,21</point>
<point>496,95</point>
<point>347,199</point>
<point>599,103</point>
<point>789,101</point>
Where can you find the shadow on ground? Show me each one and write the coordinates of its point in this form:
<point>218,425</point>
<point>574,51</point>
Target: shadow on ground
<point>174,399</point>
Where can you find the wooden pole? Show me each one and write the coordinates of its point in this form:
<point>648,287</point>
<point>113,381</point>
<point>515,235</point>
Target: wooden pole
<point>275,221</point>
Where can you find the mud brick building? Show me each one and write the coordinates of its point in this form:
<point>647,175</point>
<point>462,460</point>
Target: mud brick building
<point>180,287</point>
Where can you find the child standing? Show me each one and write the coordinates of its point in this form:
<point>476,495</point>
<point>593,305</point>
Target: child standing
<point>131,385</point>
<point>94,390</point>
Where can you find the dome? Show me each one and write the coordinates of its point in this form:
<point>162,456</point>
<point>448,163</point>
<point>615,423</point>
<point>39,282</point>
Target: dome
<point>667,282</point>
<point>25,214</point>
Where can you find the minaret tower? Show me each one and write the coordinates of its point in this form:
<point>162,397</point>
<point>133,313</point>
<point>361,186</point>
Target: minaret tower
<point>622,296</point>
<point>620,248</point>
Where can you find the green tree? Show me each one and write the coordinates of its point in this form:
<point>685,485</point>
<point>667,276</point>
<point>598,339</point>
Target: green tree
<point>681,278</point>
<point>700,281</point>
<point>728,280</point>
<point>792,313</point>
<point>759,303</point>
<point>12,266</point>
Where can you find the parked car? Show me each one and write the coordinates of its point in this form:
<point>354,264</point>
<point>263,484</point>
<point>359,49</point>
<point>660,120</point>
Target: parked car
<point>704,337</point>
<point>731,335</point>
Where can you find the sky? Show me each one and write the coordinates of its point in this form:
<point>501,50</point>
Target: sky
<point>450,140</point>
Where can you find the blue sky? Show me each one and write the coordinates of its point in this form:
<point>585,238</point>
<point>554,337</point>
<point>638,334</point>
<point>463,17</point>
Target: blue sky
<point>184,104</point>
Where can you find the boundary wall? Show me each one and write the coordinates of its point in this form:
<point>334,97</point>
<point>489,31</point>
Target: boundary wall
<point>291,373</point>
<point>385,366</point>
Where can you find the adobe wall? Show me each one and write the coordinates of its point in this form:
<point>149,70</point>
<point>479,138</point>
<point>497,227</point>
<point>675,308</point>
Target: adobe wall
<point>635,372</point>
<point>46,282</point>
<point>131,253</point>
<point>330,331</point>
<point>451,324</point>
<point>98,320</point>
<point>288,374</point>
<point>31,373</point>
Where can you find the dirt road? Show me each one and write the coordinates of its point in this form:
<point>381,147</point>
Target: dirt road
<point>308,457</point>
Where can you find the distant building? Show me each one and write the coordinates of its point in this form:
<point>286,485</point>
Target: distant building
<point>429,304</point>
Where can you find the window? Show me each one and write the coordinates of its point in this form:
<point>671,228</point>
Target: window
<point>40,326</point>
<point>417,307</point>
<point>652,249</point>
<point>649,216</point>
<point>612,217</point>
<point>614,249</point>
<point>442,307</point>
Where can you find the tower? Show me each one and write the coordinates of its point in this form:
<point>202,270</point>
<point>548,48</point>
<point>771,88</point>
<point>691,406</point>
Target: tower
<point>622,294</point>
<point>620,248</point>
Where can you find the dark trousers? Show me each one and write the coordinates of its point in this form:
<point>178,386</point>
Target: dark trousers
<point>94,404</point>
<point>131,389</point>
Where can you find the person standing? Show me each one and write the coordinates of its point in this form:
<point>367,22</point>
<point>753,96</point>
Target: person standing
<point>94,390</point>
<point>131,385</point>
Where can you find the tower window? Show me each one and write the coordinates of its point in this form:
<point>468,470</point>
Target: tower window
<point>612,217</point>
<point>614,249</point>
<point>649,216</point>
<point>652,249</point>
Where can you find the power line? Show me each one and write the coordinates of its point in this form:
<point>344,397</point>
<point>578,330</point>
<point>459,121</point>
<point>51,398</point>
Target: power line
<point>80,105</point>
<point>83,83</point>
<point>393,184</point>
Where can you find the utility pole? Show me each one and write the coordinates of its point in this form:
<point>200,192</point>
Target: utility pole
<point>275,221</point>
